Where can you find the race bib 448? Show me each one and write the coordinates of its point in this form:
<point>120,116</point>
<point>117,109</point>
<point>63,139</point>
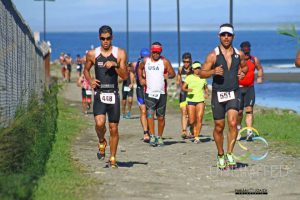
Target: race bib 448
<point>108,98</point>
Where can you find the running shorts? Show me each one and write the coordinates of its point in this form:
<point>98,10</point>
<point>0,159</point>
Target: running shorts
<point>219,109</point>
<point>112,110</point>
<point>158,105</point>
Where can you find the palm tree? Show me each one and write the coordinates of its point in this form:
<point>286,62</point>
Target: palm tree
<point>289,30</point>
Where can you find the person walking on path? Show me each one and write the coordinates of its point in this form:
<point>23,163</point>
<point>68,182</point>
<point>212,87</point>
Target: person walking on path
<point>227,65</point>
<point>79,62</point>
<point>197,92</point>
<point>247,91</point>
<point>181,76</point>
<point>109,62</point>
<point>127,93</point>
<point>86,92</point>
<point>157,69</point>
<point>140,93</point>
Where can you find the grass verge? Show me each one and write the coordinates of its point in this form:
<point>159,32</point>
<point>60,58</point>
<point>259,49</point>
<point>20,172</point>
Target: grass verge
<point>63,179</point>
<point>25,146</point>
<point>281,127</point>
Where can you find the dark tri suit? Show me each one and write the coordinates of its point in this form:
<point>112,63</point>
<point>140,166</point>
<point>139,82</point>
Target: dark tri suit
<point>126,83</point>
<point>226,83</point>
<point>183,94</point>
<point>140,92</point>
<point>108,84</point>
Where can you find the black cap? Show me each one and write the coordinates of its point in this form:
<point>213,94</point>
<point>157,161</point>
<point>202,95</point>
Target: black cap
<point>245,44</point>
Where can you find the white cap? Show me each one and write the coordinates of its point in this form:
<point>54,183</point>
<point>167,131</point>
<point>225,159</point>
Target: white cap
<point>226,29</point>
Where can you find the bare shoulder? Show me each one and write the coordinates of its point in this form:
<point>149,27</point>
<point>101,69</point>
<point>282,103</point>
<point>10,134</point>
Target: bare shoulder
<point>121,52</point>
<point>211,57</point>
<point>166,61</point>
<point>90,55</point>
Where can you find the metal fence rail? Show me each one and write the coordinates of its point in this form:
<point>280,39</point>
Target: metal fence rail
<point>21,63</point>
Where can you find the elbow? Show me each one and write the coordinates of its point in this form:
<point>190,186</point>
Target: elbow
<point>297,63</point>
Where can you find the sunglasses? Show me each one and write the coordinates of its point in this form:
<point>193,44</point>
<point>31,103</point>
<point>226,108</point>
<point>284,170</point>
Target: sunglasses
<point>156,52</point>
<point>105,38</point>
<point>186,61</point>
<point>226,34</point>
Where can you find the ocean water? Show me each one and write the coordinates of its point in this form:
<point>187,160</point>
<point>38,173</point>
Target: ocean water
<point>276,52</point>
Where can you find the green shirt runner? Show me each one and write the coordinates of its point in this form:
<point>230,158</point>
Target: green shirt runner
<point>197,84</point>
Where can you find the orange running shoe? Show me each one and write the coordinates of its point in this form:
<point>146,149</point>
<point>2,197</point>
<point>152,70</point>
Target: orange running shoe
<point>112,163</point>
<point>101,152</point>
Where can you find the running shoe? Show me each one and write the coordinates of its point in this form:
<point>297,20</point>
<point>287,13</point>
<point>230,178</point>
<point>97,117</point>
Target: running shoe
<point>197,140</point>
<point>152,141</point>
<point>230,160</point>
<point>249,135</point>
<point>160,141</point>
<point>221,163</point>
<point>146,137</point>
<point>101,152</point>
<point>112,163</point>
<point>128,116</point>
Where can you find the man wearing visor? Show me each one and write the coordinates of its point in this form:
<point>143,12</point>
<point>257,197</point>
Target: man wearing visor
<point>157,69</point>
<point>227,65</point>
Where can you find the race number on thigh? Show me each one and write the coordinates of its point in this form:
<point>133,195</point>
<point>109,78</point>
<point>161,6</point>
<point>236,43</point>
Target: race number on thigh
<point>225,96</point>
<point>154,95</point>
<point>108,98</point>
<point>126,89</point>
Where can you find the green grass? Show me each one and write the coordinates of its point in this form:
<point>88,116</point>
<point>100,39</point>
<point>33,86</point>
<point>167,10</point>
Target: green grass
<point>63,178</point>
<point>281,127</point>
<point>25,146</point>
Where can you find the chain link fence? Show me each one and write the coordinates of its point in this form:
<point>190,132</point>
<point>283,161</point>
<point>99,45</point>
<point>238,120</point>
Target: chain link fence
<point>22,70</point>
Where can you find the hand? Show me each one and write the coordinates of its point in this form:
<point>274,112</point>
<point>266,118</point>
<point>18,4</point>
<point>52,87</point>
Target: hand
<point>94,83</point>
<point>190,90</point>
<point>219,70</point>
<point>241,75</point>
<point>206,95</point>
<point>143,82</point>
<point>109,64</point>
<point>259,80</point>
<point>166,76</point>
<point>130,86</point>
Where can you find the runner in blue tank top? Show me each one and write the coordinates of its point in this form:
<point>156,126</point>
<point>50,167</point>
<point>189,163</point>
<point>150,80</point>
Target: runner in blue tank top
<point>109,62</point>
<point>227,65</point>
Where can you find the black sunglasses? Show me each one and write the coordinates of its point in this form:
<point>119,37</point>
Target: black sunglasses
<point>155,52</point>
<point>186,61</point>
<point>105,38</point>
<point>224,34</point>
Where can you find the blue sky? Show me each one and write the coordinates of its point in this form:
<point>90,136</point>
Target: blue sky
<point>88,15</point>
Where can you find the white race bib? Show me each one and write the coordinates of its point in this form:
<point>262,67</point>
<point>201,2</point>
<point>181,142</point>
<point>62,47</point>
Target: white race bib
<point>88,92</point>
<point>154,95</point>
<point>78,67</point>
<point>108,98</point>
<point>225,96</point>
<point>127,89</point>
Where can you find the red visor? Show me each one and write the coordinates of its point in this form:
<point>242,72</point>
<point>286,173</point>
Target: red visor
<point>156,48</point>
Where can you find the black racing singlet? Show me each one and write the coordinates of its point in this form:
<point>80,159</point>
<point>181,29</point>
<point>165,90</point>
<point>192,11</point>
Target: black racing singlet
<point>184,73</point>
<point>108,77</point>
<point>229,81</point>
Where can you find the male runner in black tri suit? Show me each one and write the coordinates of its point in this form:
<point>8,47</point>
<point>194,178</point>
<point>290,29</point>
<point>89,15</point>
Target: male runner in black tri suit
<point>109,62</point>
<point>227,65</point>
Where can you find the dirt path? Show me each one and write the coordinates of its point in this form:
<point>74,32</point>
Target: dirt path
<point>180,169</point>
